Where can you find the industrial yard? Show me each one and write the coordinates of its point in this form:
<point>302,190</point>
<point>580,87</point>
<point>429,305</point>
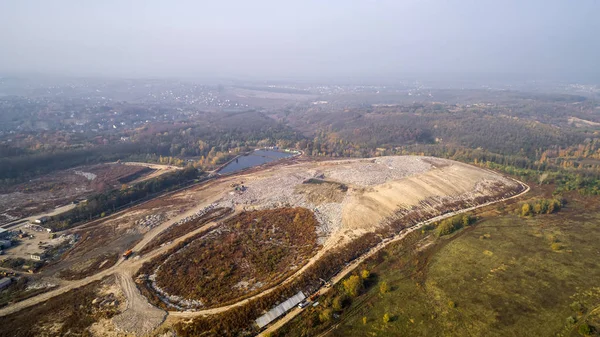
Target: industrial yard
<point>262,230</point>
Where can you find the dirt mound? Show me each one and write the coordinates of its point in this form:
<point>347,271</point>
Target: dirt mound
<point>319,191</point>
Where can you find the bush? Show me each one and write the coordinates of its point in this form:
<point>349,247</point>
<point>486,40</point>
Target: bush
<point>383,287</point>
<point>325,315</point>
<point>585,329</point>
<point>340,302</point>
<point>450,225</point>
<point>577,307</point>
<point>386,317</point>
<point>542,206</point>
<point>353,285</point>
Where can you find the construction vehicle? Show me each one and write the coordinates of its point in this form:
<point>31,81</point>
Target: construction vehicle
<point>127,254</point>
<point>327,284</point>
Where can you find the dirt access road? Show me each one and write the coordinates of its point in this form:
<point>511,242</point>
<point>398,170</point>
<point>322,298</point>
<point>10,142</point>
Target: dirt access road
<point>338,277</point>
<point>140,317</point>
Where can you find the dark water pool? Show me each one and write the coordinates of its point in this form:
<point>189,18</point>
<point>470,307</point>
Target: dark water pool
<point>256,158</point>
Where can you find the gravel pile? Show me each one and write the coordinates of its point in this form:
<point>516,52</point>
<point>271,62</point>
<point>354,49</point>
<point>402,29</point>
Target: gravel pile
<point>151,221</point>
<point>196,215</point>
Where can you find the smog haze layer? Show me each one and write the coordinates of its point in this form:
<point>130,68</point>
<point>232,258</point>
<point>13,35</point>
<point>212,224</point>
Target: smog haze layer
<point>301,39</point>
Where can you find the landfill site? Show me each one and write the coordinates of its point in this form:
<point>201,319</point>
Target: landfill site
<point>347,198</point>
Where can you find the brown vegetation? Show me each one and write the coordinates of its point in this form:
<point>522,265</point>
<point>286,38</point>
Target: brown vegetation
<point>179,230</point>
<point>246,254</point>
<point>68,314</point>
<point>239,320</point>
<point>18,291</point>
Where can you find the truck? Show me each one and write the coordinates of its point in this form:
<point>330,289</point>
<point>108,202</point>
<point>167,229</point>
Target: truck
<point>127,254</point>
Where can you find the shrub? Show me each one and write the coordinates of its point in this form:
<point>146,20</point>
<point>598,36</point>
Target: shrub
<point>353,285</point>
<point>585,329</point>
<point>383,287</point>
<point>526,210</point>
<point>577,307</point>
<point>386,317</point>
<point>340,302</point>
<point>325,315</point>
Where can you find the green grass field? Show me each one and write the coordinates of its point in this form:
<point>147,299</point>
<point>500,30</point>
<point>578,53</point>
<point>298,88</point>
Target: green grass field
<point>504,276</point>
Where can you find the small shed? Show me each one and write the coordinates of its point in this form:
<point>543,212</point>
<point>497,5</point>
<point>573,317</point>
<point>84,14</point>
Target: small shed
<point>5,282</point>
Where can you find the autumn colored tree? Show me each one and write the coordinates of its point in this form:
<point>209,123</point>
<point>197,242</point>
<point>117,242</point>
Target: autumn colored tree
<point>526,210</point>
<point>353,285</point>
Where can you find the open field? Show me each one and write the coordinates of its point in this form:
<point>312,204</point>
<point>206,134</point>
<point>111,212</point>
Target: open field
<point>505,276</point>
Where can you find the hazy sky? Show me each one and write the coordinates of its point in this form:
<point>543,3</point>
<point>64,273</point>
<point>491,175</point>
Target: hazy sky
<point>307,38</point>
